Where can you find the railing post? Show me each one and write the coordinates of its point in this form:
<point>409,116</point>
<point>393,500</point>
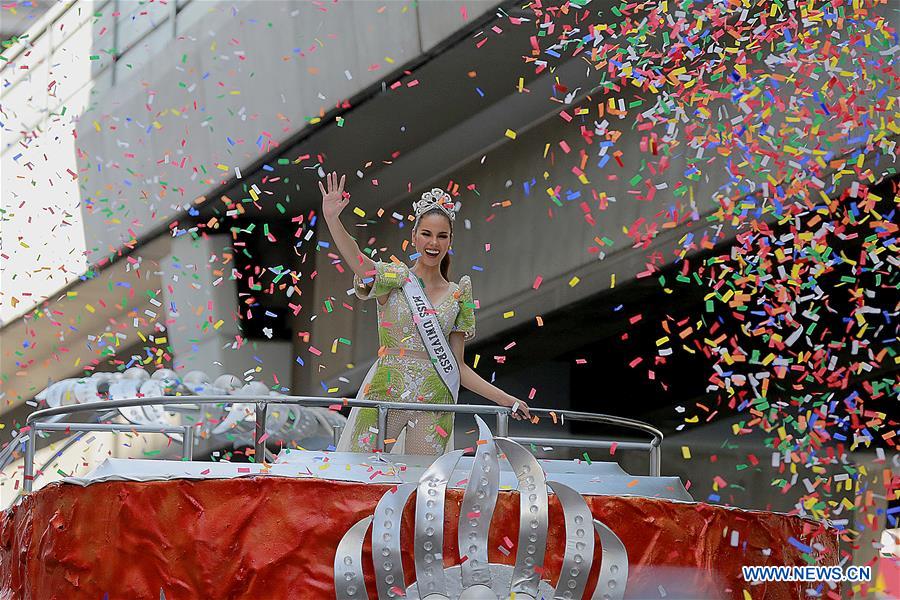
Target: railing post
<point>337,429</point>
<point>382,426</point>
<point>655,461</point>
<point>28,484</point>
<point>187,443</point>
<point>260,431</point>
<point>503,424</point>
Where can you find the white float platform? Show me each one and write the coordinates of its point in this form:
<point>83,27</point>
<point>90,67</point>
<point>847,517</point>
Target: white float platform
<point>595,478</point>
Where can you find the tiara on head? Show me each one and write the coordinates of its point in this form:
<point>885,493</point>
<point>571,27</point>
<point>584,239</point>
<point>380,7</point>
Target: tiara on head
<point>436,198</point>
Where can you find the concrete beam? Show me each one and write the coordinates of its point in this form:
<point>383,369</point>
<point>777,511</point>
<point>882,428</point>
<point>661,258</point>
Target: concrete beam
<point>51,342</point>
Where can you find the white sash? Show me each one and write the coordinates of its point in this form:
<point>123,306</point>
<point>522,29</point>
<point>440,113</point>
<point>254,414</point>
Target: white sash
<point>425,318</point>
<point>443,361</point>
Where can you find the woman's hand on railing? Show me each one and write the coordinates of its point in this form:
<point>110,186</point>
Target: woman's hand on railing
<point>520,410</point>
<point>333,198</point>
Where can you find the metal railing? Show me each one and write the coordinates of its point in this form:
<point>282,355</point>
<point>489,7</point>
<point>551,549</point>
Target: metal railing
<point>36,423</point>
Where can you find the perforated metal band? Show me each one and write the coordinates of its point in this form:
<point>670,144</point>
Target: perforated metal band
<point>349,583</point>
<point>386,542</point>
<point>479,501</point>
<point>429,538</point>
<point>613,566</point>
<point>579,554</point>
<point>533,516</point>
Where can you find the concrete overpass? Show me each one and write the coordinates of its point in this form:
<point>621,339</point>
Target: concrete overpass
<point>204,144</point>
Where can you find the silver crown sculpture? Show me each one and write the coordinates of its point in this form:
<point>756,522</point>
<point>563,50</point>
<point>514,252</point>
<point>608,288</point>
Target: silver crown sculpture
<point>476,578</point>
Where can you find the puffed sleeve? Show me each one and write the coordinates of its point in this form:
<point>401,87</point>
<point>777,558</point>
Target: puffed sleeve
<point>465,319</point>
<point>387,276</point>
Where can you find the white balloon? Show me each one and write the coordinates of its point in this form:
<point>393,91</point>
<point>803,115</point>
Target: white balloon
<point>124,389</point>
<point>197,382</point>
<point>228,382</point>
<point>283,421</point>
<point>237,413</point>
<point>138,373</point>
<point>84,390</point>
<point>152,414</point>
<point>164,375</point>
<point>56,392</point>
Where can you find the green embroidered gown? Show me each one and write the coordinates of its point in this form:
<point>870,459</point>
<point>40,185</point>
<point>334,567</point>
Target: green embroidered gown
<point>406,378</point>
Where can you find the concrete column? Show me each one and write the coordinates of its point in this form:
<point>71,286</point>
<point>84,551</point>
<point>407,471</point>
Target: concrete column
<point>201,303</point>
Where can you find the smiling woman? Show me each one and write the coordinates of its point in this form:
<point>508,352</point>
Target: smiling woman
<point>419,308</point>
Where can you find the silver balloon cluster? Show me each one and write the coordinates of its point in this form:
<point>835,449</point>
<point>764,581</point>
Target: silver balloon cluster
<point>235,420</point>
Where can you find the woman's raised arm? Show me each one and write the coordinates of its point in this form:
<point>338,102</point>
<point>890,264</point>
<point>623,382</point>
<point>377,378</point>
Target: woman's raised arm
<point>333,202</point>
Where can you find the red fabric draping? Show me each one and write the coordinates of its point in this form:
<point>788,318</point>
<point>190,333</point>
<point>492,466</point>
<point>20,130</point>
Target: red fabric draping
<point>276,538</point>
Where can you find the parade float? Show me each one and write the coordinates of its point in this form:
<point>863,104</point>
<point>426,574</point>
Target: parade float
<point>490,521</point>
